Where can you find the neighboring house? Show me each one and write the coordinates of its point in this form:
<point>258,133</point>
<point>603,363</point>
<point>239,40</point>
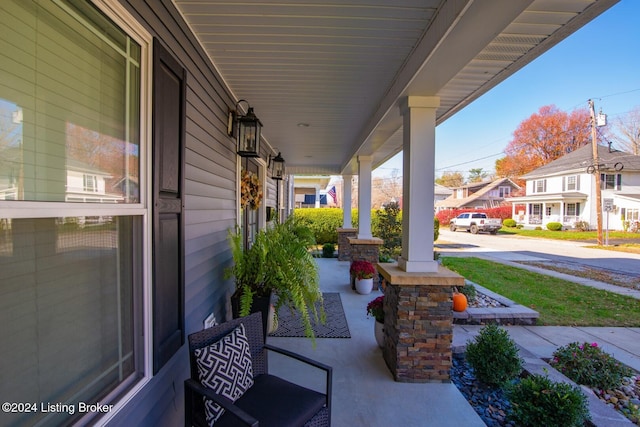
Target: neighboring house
<point>440,192</point>
<point>87,184</point>
<point>564,190</point>
<point>309,191</point>
<point>479,195</point>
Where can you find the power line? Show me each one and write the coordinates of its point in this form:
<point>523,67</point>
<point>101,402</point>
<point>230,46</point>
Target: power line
<point>471,161</point>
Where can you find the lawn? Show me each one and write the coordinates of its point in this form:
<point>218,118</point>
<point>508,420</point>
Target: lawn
<point>569,234</point>
<point>559,302</point>
<point>624,241</point>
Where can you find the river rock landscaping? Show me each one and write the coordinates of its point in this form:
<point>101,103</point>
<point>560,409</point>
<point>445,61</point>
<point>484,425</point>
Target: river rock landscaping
<point>583,362</point>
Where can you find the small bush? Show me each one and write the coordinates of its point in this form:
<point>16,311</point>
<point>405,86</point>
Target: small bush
<point>519,226</point>
<point>582,226</point>
<point>538,228</point>
<point>587,364</point>
<point>327,250</point>
<point>469,291</point>
<point>494,356</point>
<point>554,226</point>
<point>509,222</point>
<point>538,401</point>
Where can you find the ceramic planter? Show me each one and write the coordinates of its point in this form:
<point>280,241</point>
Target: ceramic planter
<point>364,286</point>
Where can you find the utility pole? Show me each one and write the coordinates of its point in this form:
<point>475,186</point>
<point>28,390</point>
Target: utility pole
<point>596,165</point>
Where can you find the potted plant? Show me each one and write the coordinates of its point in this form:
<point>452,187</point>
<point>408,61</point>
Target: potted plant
<point>375,309</point>
<point>279,264</point>
<point>363,272</point>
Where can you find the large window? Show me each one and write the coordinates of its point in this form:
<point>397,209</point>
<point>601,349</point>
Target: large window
<point>540,186</point>
<point>504,191</point>
<point>611,181</point>
<point>70,213</point>
<point>571,209</point>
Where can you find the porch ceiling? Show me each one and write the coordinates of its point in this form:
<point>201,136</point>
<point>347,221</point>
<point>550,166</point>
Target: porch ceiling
<point>341,67</point>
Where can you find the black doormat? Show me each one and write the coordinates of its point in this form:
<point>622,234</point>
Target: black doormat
<point>290,324</point>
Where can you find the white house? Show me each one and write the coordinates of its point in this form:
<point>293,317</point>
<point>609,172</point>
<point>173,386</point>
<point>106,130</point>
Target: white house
<point>564,190</point>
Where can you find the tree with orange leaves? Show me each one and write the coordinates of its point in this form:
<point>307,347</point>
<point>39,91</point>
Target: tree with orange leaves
<point>545,136</point>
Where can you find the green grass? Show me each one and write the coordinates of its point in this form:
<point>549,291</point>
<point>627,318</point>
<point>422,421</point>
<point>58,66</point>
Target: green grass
<point>568,234</point>
<point>559,302</point>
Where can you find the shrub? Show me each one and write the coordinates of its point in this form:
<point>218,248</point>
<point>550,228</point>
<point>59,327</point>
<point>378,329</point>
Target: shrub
<point>436,229</point>
<point>519,226</point>
<point>469,290</point>
<point>503,212</point>
<point>327,250</point>
<point>388,227</point>
<point>494,356</point>
<point>538,228</point>
<point>538,401</point>
<point>582,226</point>
<point>509,222</point>
<point>554,226</point>
<point>587,364</point>
<point>324,223</point>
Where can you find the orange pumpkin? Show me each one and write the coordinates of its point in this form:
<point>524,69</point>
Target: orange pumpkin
<point>459,301</point>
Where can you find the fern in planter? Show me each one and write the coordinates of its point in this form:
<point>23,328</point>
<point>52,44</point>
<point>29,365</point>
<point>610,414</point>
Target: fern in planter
<point>278,262</point>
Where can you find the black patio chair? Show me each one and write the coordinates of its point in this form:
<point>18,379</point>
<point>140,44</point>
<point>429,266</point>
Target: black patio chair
<point>270,401</point>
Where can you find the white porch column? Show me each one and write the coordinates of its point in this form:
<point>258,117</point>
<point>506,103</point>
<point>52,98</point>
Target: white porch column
<point>364,197</point>
<point>317,205</point>
<point>419,139</point>
<point>346,201</point>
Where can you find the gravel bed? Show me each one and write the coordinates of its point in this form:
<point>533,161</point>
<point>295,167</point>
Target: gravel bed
<point>489,403</point>
<point>492,405</point>
<point>484,301</point>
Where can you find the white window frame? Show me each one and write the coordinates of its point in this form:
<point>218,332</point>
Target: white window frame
<point>34,209</point>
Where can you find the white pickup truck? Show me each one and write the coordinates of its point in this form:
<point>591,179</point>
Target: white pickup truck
<point>475,222</point>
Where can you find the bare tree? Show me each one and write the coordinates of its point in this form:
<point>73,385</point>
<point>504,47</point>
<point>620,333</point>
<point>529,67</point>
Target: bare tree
<point>627,131</point>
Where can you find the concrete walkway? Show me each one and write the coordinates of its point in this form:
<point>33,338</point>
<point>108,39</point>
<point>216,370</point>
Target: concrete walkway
<point>364,392</point>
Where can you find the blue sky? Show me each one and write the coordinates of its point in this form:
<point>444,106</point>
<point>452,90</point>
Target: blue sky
<point>601,61</point>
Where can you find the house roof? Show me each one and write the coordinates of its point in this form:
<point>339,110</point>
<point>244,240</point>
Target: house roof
<point>580,159</point>
<point>451,202</point>
<point>441,190</point>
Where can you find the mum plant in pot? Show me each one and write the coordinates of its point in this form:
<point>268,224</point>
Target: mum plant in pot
<point>375,309</point>
<point>363,272</point>
<point>279,264</point>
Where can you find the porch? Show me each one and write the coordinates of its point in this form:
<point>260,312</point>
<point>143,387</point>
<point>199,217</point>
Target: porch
<point>364,392</point>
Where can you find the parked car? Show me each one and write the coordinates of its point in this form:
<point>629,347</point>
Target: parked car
<point>475,222</point>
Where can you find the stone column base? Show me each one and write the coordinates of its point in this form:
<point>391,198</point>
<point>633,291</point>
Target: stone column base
<point>418,323</point>
<point>344,248</point>
<point>366,250</point>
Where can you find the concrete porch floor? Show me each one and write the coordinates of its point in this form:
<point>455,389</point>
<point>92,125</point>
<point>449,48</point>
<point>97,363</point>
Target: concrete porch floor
<point>364,392</point>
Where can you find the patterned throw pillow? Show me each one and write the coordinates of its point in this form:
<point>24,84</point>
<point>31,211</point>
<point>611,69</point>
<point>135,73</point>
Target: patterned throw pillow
<point>225,366</point>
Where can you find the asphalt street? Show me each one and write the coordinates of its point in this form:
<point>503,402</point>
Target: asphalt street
<point>519,248</point>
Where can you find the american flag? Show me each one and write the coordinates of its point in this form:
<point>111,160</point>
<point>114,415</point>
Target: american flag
<point>332,193</point>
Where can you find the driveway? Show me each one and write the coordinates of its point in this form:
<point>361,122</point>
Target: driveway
<point>520,248</point>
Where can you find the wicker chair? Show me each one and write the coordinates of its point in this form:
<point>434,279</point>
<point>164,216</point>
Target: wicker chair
<point>271,401</point>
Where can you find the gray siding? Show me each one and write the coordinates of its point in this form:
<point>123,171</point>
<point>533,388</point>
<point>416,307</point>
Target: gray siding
<point>210,206</point>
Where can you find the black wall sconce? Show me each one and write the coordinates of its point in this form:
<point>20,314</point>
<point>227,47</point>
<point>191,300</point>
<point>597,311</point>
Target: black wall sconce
<point>276,165</point>
<point>246,129</point>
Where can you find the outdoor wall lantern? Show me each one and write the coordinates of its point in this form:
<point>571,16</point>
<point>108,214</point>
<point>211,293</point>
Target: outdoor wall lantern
<point>277,167</point>
<point>246,129</point>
